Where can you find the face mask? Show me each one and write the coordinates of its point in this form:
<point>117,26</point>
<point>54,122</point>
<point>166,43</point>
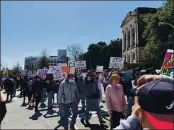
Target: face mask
<point>38,79</point>
<point>89,78</point>
<point>70,80</point>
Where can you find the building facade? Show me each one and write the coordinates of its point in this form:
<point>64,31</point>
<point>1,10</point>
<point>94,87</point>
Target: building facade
<point>132,41</point>
<point>62,54</point>
<point>31,62</point>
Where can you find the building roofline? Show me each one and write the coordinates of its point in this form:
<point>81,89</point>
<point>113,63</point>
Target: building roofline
<point>135,12</point>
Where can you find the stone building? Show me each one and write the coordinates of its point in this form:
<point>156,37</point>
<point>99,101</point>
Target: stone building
<point>132,41</point>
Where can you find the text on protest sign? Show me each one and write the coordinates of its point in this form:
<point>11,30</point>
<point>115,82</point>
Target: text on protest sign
<point>99,69</point>
<point>168,63</point>
<point>80,64</point>
<point>116,62</point>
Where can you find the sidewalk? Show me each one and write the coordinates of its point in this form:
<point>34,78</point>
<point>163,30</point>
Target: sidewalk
<point>19,117</point>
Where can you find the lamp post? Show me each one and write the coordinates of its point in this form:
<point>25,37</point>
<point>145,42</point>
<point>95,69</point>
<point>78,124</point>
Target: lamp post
<point>167,24</point>
<point>164,23</point>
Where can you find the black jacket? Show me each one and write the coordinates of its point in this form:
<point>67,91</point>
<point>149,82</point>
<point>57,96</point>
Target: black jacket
<point>3,111</point>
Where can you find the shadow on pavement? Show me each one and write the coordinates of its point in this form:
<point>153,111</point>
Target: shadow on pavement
<point>9,101</point>
<point>35,116</point>
<point>51,112</point>
<point>97,127</point>
<point>60,122</point>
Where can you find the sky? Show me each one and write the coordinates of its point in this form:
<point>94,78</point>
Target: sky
<point>29,27</point>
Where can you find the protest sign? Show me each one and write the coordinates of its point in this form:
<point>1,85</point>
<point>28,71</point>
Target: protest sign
<point>42,71</point>
<point>72,70</point>
<point>65,69</point>
<point>168,63</point>
<point>23,72</point>
<point>99,69</point>
<point>80,64</point>
<point>116,62</point>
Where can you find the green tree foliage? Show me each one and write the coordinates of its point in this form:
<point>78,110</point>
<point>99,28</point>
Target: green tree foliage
<point>43,61</point>
<point>100,53</point>
<point>158,38</point>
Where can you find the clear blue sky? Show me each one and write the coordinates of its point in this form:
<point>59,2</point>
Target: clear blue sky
<point>29,27</point>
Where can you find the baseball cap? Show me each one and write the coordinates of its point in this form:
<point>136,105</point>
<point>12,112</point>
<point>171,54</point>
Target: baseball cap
<point>156,98</point>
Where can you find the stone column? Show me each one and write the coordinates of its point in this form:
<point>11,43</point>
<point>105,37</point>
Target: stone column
<point>130,57</point>
<point>127,39</point>
<point>123,42</point>
<point>135,30</point>
<point>131,37</point>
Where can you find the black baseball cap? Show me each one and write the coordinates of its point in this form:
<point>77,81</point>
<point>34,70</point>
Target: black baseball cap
<point>156,98</point>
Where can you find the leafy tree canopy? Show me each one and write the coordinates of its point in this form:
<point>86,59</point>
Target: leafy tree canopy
<point>159,38</point>
<point>100,53</point>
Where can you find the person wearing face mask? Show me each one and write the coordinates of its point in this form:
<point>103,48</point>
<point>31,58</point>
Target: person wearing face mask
<point>154,104</point>
<point>81,85</point>
<point>115,100</point>
<point>68,97</point>
<point>92,95</point>
<point>37,87</point>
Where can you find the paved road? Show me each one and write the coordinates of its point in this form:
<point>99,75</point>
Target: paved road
<point>19,117</point>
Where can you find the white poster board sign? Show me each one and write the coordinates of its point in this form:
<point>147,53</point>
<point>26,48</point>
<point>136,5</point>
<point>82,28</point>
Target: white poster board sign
<point>42,71</point>
<point>23,72</point>
<point>57,71</point>
<point>116,62</point>
<point>99,69</point>
<point>29,73</point>
<point>80,64</point>
<point>72,70</point>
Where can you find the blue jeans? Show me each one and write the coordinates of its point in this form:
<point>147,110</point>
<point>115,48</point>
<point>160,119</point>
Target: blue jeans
<point>43,96</point>
<point>50,98</point>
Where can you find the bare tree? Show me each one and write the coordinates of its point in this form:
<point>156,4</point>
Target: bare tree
<point>74,51</point>
<point>43,60</point>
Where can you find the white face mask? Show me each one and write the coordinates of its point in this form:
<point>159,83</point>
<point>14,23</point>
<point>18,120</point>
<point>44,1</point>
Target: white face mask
<point>70,80</point>
<point>89,78</point>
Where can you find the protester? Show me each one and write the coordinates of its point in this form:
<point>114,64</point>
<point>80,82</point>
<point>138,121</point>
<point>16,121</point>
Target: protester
<point>153,108</point>
<point>9,85</point>
<point>30,94</point>
<point>81,85</point>
<point>25,90</point>
<point>69,98</point>
<point>37,86</point>
<point>115,100</point>
<point>93,94</point>
<point>50,93</point>
<point>104,80</point>
<point>146,78</point>
<point>3,109</point>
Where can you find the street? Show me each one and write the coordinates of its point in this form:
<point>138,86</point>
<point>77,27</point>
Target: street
<point>19,117</point>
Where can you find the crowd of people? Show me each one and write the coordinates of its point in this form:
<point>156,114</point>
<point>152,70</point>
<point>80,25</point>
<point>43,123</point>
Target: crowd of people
<point>148,102</point>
